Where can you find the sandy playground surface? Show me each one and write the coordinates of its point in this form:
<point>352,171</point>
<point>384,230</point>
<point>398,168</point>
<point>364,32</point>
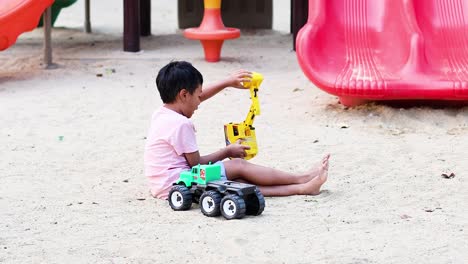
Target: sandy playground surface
<point>72,188</point>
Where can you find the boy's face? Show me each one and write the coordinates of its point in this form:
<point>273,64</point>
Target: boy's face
<point>192,101</point>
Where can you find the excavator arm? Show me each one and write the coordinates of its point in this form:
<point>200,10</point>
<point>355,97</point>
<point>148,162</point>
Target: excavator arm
<point>254,86</point>
<point>245,130</point>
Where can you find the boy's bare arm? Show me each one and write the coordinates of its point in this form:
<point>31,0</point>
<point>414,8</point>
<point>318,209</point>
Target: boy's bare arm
<point>235,80</point>
<point>194,158</point>
<point>232,151</point>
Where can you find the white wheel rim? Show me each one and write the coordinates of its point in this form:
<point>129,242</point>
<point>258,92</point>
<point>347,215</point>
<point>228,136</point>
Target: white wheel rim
<point>208,204</point>
<point>229,208</point>
<point>175,201</point>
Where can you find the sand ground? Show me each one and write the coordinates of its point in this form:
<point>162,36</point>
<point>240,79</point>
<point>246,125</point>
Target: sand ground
<point>72,188</point>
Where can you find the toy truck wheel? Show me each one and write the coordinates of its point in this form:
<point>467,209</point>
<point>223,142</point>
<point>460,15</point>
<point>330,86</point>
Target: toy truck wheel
<point>209,203</point>
<point>180,198</point>
<point>255,203</point>
<point>232,207</point>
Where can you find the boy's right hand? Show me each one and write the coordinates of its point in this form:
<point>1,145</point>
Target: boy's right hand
<point>237,150</point>
<point>237,78</point>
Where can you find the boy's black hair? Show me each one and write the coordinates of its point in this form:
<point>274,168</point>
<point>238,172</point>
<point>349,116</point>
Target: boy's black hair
<point>174,77</point>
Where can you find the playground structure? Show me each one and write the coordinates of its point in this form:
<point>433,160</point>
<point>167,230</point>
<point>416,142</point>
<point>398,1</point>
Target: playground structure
<point>19,16</point>
<point>212,31</point>
<point>137,22</point>
<point>57,7</point>
<point>365,50</point>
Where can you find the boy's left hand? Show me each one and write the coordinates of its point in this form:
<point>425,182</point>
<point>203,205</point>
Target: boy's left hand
<point>237,78</point>
<point>237,150</point>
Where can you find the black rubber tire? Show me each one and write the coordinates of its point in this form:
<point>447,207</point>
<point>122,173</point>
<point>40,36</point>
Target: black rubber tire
<point>232,207</point>
<point>180,198</point>
<point>255,203</point>
<point>209,203</point>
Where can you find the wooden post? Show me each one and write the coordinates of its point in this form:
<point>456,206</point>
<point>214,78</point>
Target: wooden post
<point>299,15</point>
<point>47,22</point>
<point>131,25</point>
<point>87,24</point>
<point>145,17</point>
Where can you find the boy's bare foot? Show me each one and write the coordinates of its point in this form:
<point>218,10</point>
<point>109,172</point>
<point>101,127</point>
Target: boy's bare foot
<point>312,187</point>
<point>317,170</point>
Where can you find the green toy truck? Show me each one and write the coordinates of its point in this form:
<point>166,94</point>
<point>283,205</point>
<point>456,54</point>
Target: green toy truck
<point>203,185</point>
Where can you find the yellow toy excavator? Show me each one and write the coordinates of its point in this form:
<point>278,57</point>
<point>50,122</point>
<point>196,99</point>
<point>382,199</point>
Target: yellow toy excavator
<point>245,130</point>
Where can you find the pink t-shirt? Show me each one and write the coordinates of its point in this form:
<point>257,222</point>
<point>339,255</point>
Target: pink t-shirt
<point>170,136</point>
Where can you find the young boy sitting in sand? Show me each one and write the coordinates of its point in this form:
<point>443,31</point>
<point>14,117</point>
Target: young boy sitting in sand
<point>171,144</point>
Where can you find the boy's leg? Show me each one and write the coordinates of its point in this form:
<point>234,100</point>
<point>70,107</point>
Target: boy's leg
<point>310,188</point>
<point>239,169</point>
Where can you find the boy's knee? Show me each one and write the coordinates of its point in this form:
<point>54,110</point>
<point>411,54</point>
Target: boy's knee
<point>239,163</point>
<point>234,165</point>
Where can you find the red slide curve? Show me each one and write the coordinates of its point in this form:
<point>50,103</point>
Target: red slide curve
<point>18,16</point>
<point>361,50</point>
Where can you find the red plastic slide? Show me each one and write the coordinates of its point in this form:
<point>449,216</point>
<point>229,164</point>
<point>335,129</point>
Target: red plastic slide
<point>361,50</point>
<point>18,16</point>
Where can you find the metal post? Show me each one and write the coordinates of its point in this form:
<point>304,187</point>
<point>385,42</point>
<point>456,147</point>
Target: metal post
<point>131,25</point>
<point>87,24</point>
<point>145,17</point>
<point>47,22</point>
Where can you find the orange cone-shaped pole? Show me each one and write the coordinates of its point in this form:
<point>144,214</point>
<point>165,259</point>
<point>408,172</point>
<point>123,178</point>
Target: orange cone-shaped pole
<point>212,31</point>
